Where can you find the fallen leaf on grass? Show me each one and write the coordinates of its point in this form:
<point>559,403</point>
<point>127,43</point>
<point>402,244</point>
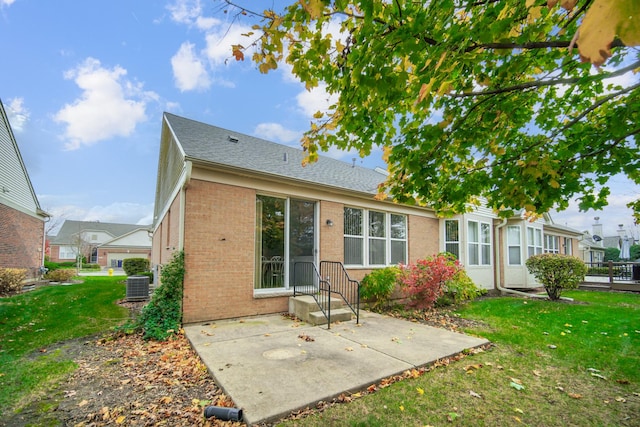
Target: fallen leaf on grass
<point>518,410</point>
<point>602,377</point>
<point>537,373</point>
<point>419,390</point>
<point>575,395</point>
<point>474,394</point>
<point>83,403</point>
<point>621,399</point>
<point>120,419</point>
<point>623,381</point>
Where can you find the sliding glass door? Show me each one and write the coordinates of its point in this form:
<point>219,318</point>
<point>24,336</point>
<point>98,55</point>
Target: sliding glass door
<point>285,235</point>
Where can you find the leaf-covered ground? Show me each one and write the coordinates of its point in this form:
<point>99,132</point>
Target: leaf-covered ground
<point>127,381</point>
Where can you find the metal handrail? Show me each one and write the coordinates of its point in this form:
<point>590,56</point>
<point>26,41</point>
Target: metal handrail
<point>621,271</point>
<point>307,281</point>
<point>342,285</point>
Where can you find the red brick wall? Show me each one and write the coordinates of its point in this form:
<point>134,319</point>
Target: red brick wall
<point>21,239</point>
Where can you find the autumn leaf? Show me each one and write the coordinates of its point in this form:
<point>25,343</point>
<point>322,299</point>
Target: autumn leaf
<point>237,52</point>
<point>604,21</point>
<point>420,391</point>
<point>575,395</point>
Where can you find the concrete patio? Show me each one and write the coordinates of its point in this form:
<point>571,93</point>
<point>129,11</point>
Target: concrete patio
<point>272,365</point>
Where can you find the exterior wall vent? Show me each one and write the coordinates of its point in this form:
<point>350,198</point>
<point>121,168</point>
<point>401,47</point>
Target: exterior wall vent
<point>233,138</point>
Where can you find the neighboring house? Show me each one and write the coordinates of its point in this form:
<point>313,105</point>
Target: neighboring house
<point>21,218</point>
<point>102,243</point>
<point>245,211</point>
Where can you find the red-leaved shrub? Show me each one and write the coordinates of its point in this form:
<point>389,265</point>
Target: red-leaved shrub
<point>423,282</point>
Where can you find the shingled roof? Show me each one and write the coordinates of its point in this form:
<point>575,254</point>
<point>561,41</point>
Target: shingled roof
<point>207,144</point>
<point>71,228</point>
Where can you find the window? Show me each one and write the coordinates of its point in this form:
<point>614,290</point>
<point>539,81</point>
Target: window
<point>398,238</point>
<point>567,246</point>
<point>383,240</point>
<point>353,236</point>
<point>452,237</point>
<point>67,252</point>
<point>552,244</point>
<point>513,243</point>
<point>377,238</point>
<point>479,243</point>
<point>534,241</point>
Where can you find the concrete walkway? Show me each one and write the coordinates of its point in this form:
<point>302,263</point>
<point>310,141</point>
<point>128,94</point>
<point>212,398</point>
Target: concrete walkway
<point>271,365</point>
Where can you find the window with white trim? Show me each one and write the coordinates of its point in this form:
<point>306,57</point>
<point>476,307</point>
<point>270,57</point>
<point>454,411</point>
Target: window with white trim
<point>398,239</point>
<point>568,246</point>
<point>452,237</point>
<point>552,244</point>
<point>534,241</point>
<point>67,252</point>
<point>382,242</point>
<point>514,245</point>
<point>353,236</point>
<point>479,243</point>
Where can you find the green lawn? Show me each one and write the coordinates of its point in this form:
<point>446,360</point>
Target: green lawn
<point>32,321</point>
<point>590,378</point>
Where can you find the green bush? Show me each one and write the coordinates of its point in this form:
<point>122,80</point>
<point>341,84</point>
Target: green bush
<point>459,289</point>
<point>135,266</point>
<point>68,264</point>
<point>51,265</point>
<point>91,267</point>
<point>378,285</point>
<point>162,317</point>
<point>61,275</point>
<point>11,279</point>
<point>557,272</point>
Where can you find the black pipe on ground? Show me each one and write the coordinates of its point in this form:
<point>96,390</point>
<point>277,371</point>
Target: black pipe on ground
<point>222,413</point>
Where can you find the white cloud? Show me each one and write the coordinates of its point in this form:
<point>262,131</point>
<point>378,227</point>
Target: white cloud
<point>6,2</point>
<point>276,132</point>
<point>220,40</point>
<point>185,11</point>
<point>188,70</point>
<point>18,114</point>
<point>109,105</point>
<point>317,99</point>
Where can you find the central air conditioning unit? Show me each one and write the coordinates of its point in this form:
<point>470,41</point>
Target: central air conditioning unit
<point>137,288</point>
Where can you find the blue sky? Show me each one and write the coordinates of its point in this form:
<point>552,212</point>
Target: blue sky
<point>85,84</point>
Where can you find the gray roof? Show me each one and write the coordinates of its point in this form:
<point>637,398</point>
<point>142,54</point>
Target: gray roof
<point>217,146</point>
<point>71,228</point>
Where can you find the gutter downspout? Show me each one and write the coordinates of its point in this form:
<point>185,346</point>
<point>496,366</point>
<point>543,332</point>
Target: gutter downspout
<point>498,271</point>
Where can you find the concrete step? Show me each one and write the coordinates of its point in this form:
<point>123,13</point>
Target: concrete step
<point>302,305</point>
<point>338,315</point>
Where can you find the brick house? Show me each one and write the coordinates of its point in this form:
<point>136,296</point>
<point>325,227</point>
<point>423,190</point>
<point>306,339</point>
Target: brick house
<point>246,212</point>
<point>103,243</point>
<point>21,218</point>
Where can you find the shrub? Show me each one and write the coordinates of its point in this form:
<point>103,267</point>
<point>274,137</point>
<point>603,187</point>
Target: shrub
<point>91,266</point>
<point>11,279</point>
<point>423,282</point>
<point>557,272</point>
<point>162,317</point>
<point>60,275</point>
<point>51,265</point>
<point>134,266</point>
<point>379,285</point>
<point>458,289</point>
